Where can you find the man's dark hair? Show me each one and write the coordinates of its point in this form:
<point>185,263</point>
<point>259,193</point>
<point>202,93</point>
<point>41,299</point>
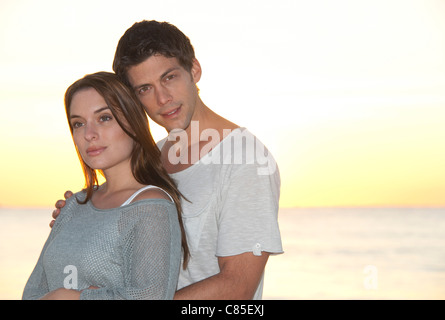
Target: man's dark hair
<point>147,38</point>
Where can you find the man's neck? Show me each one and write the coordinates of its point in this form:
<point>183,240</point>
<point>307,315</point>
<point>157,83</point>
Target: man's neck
<point>183,148</point>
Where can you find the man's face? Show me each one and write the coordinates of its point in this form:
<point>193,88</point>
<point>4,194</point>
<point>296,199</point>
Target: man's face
<point>167,91</point>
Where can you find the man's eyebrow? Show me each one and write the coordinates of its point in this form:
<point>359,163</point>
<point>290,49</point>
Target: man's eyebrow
<point>168,71</point>
<point>162,76</point>
<point>135,88</point>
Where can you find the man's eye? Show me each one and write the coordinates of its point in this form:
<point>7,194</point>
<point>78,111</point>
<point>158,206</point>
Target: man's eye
<point>144,89</point>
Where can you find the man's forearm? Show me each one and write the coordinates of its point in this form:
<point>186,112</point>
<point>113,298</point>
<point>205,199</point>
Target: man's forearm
<point>238,280</point>
<point>216,287</point>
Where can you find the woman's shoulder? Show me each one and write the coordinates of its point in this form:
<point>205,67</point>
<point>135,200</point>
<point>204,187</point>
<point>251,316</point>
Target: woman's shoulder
<point>149,202</point>
<point>150,207</point>
<point>152,193</point>
<point>147,193</point>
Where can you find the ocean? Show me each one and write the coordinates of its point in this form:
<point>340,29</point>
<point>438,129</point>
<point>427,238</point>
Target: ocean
<point>330,253</point>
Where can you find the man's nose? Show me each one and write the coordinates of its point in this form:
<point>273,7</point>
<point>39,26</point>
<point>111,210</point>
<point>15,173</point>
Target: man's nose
<point>163,95</point>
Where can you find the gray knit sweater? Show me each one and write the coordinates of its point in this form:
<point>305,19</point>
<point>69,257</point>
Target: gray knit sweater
<point>130,252</point>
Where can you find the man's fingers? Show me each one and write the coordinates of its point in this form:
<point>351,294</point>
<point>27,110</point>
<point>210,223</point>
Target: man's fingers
<point>60,204</point>
<point>68,194</point>
<point>56,213</point>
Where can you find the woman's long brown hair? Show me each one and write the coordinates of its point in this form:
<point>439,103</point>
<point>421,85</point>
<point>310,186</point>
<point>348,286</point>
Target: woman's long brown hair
<point>146,157</point>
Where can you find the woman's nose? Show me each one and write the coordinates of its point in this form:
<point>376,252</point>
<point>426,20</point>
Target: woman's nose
<point>91,132</point>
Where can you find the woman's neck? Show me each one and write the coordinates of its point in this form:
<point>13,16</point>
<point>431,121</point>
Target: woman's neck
<point>119,186</point>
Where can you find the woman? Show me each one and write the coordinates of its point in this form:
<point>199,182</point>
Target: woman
<point>122,239</point>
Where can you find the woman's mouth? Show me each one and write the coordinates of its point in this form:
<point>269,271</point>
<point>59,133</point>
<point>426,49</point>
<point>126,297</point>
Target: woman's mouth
<point>95,151</point>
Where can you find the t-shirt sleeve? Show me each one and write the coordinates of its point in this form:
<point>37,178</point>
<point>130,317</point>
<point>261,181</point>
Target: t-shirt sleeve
<point>248,221</point>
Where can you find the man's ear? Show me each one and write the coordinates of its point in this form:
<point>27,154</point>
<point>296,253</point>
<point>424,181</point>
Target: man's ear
<point>196,71</point>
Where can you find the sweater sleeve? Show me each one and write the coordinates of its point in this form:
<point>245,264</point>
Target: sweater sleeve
<point>37,284</point>
<point>151,249</point>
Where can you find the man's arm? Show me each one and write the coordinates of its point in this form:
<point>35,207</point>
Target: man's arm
<point>238,279</point>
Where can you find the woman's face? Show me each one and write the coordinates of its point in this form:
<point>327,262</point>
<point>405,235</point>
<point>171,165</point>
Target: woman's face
<point>99,138</point>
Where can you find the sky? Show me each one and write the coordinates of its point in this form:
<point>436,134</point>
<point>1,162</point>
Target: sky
<point>349,96</point>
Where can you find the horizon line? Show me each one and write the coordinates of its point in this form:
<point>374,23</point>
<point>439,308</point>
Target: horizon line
<point>39,207</point>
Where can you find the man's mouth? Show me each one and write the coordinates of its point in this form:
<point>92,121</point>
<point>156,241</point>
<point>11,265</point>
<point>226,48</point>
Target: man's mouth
<point>171,113</point>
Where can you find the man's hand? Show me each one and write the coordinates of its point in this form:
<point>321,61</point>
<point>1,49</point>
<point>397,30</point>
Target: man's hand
<point>62,294</point>
<point>59,205</point>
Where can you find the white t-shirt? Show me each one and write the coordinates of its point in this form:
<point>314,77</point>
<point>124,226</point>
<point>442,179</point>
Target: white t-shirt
<point>233,192</point>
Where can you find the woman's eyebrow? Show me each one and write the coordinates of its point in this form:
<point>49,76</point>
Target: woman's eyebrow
<point>102,109</point>
<point>97,111</point>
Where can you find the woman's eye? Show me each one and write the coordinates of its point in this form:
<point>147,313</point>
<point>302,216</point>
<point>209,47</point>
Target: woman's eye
<point>105,118</point>
<point>77,125</point>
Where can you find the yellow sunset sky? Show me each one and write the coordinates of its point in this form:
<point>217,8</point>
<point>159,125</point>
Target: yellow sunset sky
<point>349,96</point>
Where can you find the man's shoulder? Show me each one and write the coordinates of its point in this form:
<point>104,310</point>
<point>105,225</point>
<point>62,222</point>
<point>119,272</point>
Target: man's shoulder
<point>161,143</point>
<point>244,148</point>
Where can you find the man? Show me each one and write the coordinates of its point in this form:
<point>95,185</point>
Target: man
<point>230,181</point>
